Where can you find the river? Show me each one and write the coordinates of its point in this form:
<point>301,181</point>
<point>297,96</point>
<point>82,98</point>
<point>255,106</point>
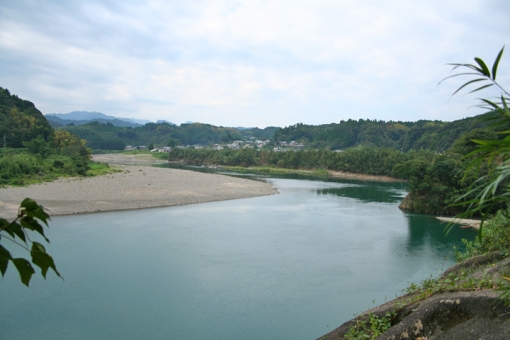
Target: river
<point>289,266</point>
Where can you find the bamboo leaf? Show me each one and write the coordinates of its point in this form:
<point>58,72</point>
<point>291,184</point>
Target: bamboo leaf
<point>484,67</point>
<point>459,74</point>
<point>496,62</point>
<point>466,84</point>
<point>481,88</point>
<point>473,67</point>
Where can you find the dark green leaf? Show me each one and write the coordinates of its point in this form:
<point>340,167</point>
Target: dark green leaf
<point>32,209</point>
<point>459,74</point>
<point>484,67</point>
<point>5,256</point>
<point>3,223</point>
<point>473,67</point>
<point>469,82</point>
<point>29,204</point>
<point>15,229</point>
<point>496,62</point>
<point>32,224</point>
<point>42,259</point>
<point>481,88</point>
<point>25,270</point>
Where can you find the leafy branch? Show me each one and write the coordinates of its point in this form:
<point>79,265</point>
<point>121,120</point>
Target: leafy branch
<point>491,190</point>
<point>495,154</point>
<point>30,214</point>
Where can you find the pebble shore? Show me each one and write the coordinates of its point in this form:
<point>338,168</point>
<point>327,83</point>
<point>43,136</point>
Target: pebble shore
<point>134,187</point>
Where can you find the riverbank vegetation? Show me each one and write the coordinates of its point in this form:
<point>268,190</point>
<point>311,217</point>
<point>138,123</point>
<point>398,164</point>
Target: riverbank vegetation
<point>35,152</point>
<point>435,180</point>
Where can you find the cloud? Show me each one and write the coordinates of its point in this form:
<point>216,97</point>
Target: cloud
<point>252,63</point>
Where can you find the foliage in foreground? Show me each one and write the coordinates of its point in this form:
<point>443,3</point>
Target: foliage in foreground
<point>369,327</point>
<point>496,237</point>
<point>29,217</point>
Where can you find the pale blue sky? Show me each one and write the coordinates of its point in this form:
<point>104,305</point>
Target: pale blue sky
<point>249,63</point>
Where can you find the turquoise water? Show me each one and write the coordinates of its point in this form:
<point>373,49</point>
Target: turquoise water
<point>289,266</point>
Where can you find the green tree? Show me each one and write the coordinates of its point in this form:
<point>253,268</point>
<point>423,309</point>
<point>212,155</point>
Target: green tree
<point>38,146</point>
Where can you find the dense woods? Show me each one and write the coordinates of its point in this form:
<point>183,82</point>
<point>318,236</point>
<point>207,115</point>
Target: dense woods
<point>436,136</point>
<point>33,150</point>
<point>20,121</point>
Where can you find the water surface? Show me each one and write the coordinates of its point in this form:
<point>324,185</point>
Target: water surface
<point>288,266</point>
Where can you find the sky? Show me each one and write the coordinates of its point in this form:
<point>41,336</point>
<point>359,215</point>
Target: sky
<point>250,63</point>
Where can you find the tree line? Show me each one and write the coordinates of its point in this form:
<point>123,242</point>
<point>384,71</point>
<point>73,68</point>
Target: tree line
<point>101,136</point>
<point>435,180</point>
<point>436,135</point>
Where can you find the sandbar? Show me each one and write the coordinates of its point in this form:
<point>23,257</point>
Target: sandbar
<point>134,187</point>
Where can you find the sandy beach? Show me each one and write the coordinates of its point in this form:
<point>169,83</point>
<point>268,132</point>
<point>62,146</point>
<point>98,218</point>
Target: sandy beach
<point>134,187</point>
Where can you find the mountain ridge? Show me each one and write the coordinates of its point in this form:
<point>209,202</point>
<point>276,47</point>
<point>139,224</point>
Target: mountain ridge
<point>84,117</point>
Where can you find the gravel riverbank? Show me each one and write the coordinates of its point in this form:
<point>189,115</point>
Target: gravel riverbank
<point>134,187</point>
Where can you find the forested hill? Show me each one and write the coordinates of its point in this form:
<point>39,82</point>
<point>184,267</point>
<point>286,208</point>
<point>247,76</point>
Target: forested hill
<point>33,150</point>
<point>109,137</point>
<point>20,121</point>
<point>436,136</point>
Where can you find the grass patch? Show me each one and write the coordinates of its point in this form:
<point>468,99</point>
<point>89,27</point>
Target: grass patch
<point>100,168</point>
<point>369,326</point>
<point>160,155</point>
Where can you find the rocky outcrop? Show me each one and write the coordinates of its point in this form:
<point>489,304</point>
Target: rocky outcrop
<point>406,203</point>
<point>467,312</point>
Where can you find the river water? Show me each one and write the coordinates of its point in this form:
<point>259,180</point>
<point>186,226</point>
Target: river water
<point>289,266</point>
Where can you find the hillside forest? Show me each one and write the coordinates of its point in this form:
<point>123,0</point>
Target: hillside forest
<point>32,151</point>
<point>429,155</point>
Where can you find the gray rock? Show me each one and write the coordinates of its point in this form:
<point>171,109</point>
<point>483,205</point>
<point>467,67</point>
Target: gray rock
<point>478,314</point>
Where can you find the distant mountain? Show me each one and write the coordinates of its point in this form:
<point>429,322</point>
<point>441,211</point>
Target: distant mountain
<point>59,122</point>
<point>161,121</point>
<point>81,115</point>
<point>138,121</point>
<point>84,117</point>
<point>244,128</point>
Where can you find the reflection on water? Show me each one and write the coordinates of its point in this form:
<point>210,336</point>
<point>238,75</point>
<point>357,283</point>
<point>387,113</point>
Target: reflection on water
<point>368,192</point>
<point>287,266</point>
<point>425,229</point>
